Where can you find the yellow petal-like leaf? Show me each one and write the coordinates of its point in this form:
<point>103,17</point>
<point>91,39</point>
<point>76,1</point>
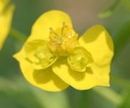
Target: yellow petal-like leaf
<point>44,79</point>
<point>5,23</point>
<point>52,19</point>
<point>81,80</point>
<point>3,4</point>
<point>99,44</point>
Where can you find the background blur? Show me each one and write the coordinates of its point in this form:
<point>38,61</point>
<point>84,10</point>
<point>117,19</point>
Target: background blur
<point>16,92</point>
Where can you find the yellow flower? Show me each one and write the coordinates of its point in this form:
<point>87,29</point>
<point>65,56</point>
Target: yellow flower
<point>6,12</point>
<point>54,57</point>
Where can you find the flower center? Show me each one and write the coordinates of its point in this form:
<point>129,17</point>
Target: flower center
<point>63,41</point>
<point>64,44</point>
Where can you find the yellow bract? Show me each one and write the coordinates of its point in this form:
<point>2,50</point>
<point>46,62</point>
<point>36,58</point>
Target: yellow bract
<point>6,12</point>
<point>54,57</point>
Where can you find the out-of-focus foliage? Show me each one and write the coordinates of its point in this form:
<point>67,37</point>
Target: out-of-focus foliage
<point>17,93</point>
<point>126,102</point>
<point>122,37</point>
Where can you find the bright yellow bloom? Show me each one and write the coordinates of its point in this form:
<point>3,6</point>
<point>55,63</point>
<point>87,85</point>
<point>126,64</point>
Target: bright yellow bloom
<point>55,57</point>
<point>6,12</point>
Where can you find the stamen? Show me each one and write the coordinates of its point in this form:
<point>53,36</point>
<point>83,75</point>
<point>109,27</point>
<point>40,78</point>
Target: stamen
<point>63,27</point>
<point>52,31</point>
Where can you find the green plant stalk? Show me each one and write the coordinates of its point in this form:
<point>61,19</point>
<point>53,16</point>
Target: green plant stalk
<point>17,35</point>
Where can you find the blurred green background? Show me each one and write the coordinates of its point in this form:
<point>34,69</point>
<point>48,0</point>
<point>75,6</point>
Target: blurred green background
<point>16,92</point>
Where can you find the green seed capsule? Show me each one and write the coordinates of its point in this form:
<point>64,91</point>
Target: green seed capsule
<point>39,54</point>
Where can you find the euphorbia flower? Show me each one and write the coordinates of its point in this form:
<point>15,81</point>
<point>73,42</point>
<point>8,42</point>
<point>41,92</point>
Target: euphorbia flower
<point>6,12</point>
<point>55,57</point>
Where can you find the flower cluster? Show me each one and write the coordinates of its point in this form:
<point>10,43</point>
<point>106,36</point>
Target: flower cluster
<point>6,12</point>
<point>55,57</point>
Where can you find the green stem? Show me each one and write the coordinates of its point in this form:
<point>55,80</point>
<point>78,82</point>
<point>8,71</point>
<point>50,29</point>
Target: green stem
<point>17,35</point>
<point>109,94</point>
<point>110,10</point>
